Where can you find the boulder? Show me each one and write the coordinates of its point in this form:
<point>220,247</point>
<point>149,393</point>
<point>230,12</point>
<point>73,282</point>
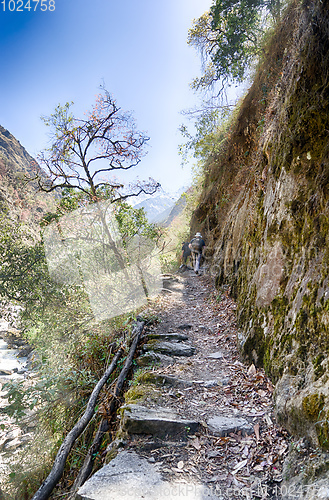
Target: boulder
<point>160,379</point>
<point>185,326</point>
<point>12,436</point>
<point>12,445</point>
<point>3,371</point>
<point>210,383</point>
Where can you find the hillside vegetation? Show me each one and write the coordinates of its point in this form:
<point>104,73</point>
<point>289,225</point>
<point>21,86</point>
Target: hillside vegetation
<point>265,212</point>
<point>74,335</point>
<point>19,198</point>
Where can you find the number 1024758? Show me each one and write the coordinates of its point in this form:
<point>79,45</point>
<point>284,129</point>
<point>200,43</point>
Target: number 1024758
<point>27,5</point>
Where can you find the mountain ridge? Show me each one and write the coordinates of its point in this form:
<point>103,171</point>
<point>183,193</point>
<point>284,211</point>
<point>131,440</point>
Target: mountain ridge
<point>19,197</point>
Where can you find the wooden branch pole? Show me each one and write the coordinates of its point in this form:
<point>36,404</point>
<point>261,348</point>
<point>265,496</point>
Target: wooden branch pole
<point>59,463</point>
<point>86,469</point>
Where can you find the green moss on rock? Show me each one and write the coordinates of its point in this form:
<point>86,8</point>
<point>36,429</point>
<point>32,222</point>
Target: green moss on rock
<point>312,406</point>
<point>318,368</point>
<point>322,430</point>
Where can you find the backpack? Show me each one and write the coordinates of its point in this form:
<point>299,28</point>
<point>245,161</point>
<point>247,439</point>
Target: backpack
<point>196,245</point>
<point>186,249</point>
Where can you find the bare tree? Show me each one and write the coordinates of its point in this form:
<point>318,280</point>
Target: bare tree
<point>85,153</point>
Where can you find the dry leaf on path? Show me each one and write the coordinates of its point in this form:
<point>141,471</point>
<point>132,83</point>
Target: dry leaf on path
<point>196,443</point>
<point>252,370</point>
<point>245,452</point>
<point>239,466</point>
<point>268,420</point>
<point>256,429</point>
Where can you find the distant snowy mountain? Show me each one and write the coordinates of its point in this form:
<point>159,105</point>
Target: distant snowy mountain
<point>159,206</point>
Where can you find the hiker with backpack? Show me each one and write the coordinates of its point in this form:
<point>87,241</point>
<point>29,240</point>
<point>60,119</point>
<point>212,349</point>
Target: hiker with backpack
<point>196,245</point>
<point>186,252</point>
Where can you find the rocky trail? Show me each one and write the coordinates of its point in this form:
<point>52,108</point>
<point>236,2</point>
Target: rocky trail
<point>197,423</point>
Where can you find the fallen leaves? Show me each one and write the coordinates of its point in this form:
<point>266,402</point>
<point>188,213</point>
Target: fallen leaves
<point>239,466</point>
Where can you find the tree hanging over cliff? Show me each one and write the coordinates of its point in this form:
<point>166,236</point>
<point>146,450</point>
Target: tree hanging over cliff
<point>228,39</point>
<point>86,153</point>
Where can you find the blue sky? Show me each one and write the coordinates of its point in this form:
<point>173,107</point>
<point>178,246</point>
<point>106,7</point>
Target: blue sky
<point>137,48</point>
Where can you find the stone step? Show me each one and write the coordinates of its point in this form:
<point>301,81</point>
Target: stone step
<point>223,426</point>
<point>131,476</point>
<point>160,422</point>
<point>161,379</point>
<point>170,348</point>
<point>152,358</point>
<point>167,336</point>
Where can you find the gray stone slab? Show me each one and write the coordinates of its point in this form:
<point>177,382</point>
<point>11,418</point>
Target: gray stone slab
<point>170,348</point>
<point>159,379</point>
<point>168,336</point>
<point>154,358</point>
<point>132,477</point>
<point>210,383</point>
<point>222,426</point>
<point>160,422</point>
<point>215,355</point>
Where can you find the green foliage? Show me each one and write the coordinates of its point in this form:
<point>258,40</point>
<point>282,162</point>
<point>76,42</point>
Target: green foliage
<point>236,26</point>
<point>169,262</point>
<point>133,221</point>
<point>209,126</point>
<point>22,263</point>
<point>71,200</point>
<point>229,38</point>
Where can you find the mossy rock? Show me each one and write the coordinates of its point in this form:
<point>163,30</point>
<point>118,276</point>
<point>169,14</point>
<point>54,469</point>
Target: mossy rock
<point>322,430</point>
<point>162,379</point>
<point>318,367</point>
<point>137,393</point>
<point>312,406</point>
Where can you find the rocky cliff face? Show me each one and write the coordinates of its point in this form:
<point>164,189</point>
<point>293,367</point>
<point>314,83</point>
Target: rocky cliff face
<point>19,198</point>
<point>265,212</point>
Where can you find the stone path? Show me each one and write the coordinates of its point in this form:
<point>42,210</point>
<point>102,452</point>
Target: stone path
<point>197,422</point>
